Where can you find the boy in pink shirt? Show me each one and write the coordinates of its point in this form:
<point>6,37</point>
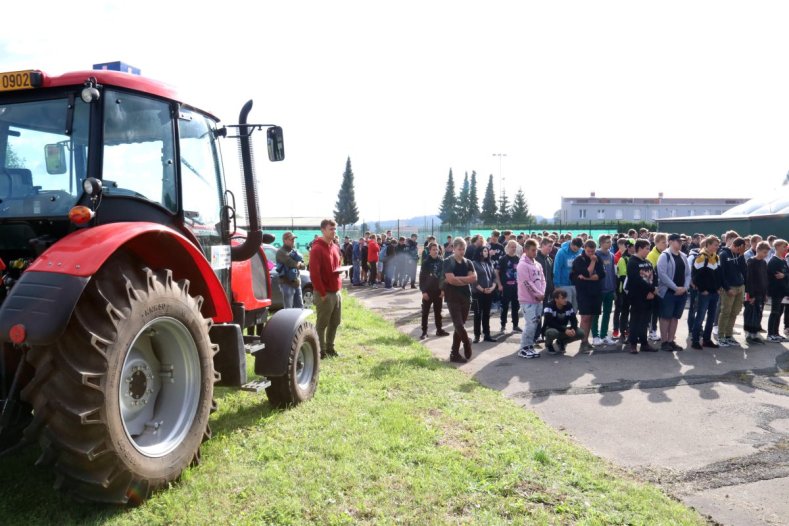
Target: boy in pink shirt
<point>531,291</point>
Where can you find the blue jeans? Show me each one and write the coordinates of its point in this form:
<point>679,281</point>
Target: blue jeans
<point>355,272</point>
<point>706,306</point>
<point>531,318</point>
<point>291,297</point>
<point>693,295</point>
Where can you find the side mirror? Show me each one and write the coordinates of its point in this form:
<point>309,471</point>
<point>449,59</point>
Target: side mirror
<point>55,157</point>
<point>276,144</point>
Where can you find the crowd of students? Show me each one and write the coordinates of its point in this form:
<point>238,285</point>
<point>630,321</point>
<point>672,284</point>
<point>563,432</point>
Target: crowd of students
<point>628,289</point>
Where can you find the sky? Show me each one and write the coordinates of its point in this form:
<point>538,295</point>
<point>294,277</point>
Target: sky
<point>621,98</point>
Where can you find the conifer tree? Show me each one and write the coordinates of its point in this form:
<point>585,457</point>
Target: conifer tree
<point>519,212</point>
<point>346,212</point>
<point>473,197</point>
<point>464,203</point>
<point>504,208</point>
<point>489,214</point>
<point>448,210</point>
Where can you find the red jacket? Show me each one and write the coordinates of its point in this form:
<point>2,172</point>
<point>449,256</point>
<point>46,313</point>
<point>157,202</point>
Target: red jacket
<point>372,251</point>
<point>324,259</point>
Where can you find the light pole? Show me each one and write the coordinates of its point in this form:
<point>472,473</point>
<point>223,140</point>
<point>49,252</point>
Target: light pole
<point>501,177</point>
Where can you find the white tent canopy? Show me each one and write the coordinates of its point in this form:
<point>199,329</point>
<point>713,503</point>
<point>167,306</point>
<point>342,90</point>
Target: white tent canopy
<point>774,202</point>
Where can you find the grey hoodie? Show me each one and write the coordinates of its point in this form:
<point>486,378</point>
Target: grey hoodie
<point>665,272</point>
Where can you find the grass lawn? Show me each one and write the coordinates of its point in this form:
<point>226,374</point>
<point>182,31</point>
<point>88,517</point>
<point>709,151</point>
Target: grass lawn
<point>392,437</point>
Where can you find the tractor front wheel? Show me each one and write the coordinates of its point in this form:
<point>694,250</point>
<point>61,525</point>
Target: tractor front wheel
<point>121,402</point>
<point>301,380</point>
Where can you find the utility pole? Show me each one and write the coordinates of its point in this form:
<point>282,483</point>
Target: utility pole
<point>501,177</point>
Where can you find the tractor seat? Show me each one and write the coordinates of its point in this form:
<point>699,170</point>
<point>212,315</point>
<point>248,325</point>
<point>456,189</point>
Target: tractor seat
<point>16,182</point>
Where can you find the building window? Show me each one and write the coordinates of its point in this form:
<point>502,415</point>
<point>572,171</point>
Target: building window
<point>707,212</point>
<point>601,213</point>
<point>636,214</point>
<point>717,212</point>
<point>619,214</point>
<point>655,214</point>
<point>692,213</point>
<point>673,212</point>
<point>582,213</point>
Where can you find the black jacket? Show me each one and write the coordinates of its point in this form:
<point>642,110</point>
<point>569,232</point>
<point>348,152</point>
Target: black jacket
<point>778,288</point>
<point>705,273</point>
<point>559,318</point>
<point>756,280</point>
<point>430,275</point>
<point>547,270</point>
<point>581,268</point>
<point>733,269</point>
<point>640,281</point>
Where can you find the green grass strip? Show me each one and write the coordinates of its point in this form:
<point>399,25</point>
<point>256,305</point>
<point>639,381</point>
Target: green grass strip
<point>392,437</point>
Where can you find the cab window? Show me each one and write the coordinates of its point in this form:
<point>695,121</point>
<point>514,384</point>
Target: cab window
<point>139,148</point>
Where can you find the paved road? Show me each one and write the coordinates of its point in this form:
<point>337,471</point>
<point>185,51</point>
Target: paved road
<point>711,427</point>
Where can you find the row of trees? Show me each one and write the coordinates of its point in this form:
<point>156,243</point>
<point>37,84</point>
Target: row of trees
<point>463,208</point>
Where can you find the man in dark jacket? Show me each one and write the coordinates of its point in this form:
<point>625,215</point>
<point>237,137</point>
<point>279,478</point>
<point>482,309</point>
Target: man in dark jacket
<point>587,276</point>
<point>641,288</point>
<point>412,260</point>
<point>545,260</point>
<point>508,277</point>
<point>560,323</point>
<point>756,290</point>
<point>289,281</point>
<point>705,277</point>
<point>430,277</point>
<point>733,271</point>
<point>778,287</point>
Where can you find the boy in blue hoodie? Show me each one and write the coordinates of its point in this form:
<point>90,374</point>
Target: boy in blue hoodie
<point>563,265</point>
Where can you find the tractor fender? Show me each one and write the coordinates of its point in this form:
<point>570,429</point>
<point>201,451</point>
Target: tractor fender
<point>46,294</point>
<point>277,336</point>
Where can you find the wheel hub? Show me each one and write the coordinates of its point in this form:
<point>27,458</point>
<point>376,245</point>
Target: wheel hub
<point>162,380</point>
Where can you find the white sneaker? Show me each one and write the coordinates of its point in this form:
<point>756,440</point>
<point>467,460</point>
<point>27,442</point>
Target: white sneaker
<point>715,331</point>
<point>528,352</point>
<point>723,342</point>
<point>597,341</point>
<point>608,340</point>
<point>653,336</point>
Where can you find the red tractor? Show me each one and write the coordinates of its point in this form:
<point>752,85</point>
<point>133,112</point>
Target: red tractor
<point>127,291</point>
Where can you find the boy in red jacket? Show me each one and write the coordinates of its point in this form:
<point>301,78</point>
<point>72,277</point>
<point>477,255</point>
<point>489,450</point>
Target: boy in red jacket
<point>324,261</point>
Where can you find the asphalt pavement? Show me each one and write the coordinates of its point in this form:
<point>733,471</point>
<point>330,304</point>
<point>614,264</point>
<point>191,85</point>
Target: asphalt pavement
<point>710,427</point>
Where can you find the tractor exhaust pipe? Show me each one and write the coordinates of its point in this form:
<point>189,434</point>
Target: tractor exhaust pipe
<point>255,236</point>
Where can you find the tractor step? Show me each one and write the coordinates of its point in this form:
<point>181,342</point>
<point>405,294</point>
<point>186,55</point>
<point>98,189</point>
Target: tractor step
<point>253,344</point>
<point>255,386</point>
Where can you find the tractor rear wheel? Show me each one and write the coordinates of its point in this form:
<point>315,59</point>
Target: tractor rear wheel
<point>121,401</point>
<point>300,382</point>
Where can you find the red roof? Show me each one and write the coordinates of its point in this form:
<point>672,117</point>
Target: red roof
<point>113,78</point>
<point>116,78</point>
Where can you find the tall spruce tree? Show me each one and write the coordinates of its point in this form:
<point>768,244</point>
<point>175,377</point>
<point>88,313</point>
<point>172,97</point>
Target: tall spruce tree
<point>473,197</point>
<point>448,210</point>
<point>489,214</point>
<point>519,212</point>
<point>464,204</point>
<point>346,212</point>
<point>504,208</point>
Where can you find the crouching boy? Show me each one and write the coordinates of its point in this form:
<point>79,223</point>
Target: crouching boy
<point>560,323</point>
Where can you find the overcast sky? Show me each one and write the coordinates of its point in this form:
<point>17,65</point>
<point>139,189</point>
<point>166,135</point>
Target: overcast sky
<point>620,97</point>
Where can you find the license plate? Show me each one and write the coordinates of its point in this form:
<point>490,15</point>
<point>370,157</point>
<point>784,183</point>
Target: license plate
<point>14,80</point>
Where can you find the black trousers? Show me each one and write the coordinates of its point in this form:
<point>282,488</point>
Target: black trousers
<point>640,316</point>
<point>481,304</point>
<point>776,310</point>
<point>458,311</point>
<point>435,300</point>
<point>753,315</point>
<point>373,272</point>
<point>623,311</point>
<point>509,301</point>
